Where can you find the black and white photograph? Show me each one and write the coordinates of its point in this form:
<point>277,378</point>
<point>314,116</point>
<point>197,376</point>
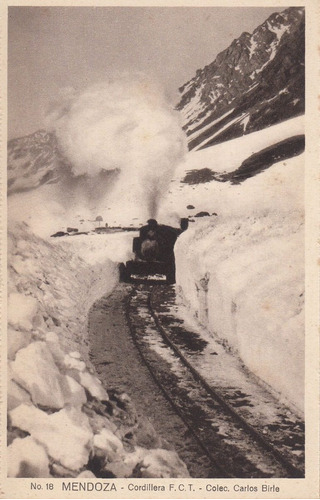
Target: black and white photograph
<point>156,252</point>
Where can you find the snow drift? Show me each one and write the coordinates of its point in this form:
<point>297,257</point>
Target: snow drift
<point>245,282</point>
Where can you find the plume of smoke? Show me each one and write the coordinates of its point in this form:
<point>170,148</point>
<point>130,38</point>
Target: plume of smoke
<point>126,125</point>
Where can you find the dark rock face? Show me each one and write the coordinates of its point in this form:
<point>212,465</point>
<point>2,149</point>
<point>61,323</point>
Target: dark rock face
<point>265,158</point>
<point>59,234</point>
<point>202,214</point>
<point>256,82</point>
<point>198,177</point>
<point>251,166</point>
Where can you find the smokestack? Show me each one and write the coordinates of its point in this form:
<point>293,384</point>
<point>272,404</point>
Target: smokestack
<point>184,224</point>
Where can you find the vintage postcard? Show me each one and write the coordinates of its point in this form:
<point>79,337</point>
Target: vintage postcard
<point>159,300</point>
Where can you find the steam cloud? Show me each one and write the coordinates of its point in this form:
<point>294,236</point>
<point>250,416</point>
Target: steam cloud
<point>126,125</point>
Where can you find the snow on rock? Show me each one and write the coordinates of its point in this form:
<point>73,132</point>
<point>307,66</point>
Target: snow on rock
<point>157,462</point>
<point>35,370</point>
<point>86,474</point>
<point>260,58</point>
<point>16,395</point>
<point>21,310</point>
<point>51,288</point>
<point>52,341</point>
<point>66,435</point>
<point>93,386</point>
<point>74,394</point>
<point>162,463</point>
<point>109,444</point>
<point>16,341</point>
<point>70,362</point>
<point>27,458</point>
<point>149,463</point>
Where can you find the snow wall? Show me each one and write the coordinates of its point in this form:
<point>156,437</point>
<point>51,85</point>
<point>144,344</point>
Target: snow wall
<point>242,276</point>
<point>61,421</point>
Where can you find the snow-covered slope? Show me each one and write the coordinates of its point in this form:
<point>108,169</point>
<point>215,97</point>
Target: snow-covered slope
<point>241,270</point>
<point>256,82</point>
<point>201,183</point>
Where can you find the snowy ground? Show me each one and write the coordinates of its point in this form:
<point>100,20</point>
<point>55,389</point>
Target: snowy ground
<point>278,188</point>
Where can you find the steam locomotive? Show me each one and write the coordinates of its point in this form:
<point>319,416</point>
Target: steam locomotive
<point>154,255</point>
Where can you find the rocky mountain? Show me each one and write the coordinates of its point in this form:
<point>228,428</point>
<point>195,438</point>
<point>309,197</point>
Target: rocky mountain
<point>33,160</point>
<point>256,82</point>
<point>36,159</point>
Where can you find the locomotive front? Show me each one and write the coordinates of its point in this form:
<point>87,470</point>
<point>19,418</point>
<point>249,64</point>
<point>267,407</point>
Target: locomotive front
<point>154,254</point>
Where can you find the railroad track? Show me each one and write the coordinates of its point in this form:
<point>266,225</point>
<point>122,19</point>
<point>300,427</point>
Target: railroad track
<point>233,446</point>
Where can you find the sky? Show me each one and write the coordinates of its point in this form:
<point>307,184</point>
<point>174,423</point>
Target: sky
<point>53,49</point>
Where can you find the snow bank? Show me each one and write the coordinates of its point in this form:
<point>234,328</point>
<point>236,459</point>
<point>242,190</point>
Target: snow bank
<point>245,283</point>
<point>245,270</point>
<point>62,422</point>
<point>51,288</point>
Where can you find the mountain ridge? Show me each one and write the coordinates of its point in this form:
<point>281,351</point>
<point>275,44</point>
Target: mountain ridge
<point>257,81</point>
<point>33,160</point>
